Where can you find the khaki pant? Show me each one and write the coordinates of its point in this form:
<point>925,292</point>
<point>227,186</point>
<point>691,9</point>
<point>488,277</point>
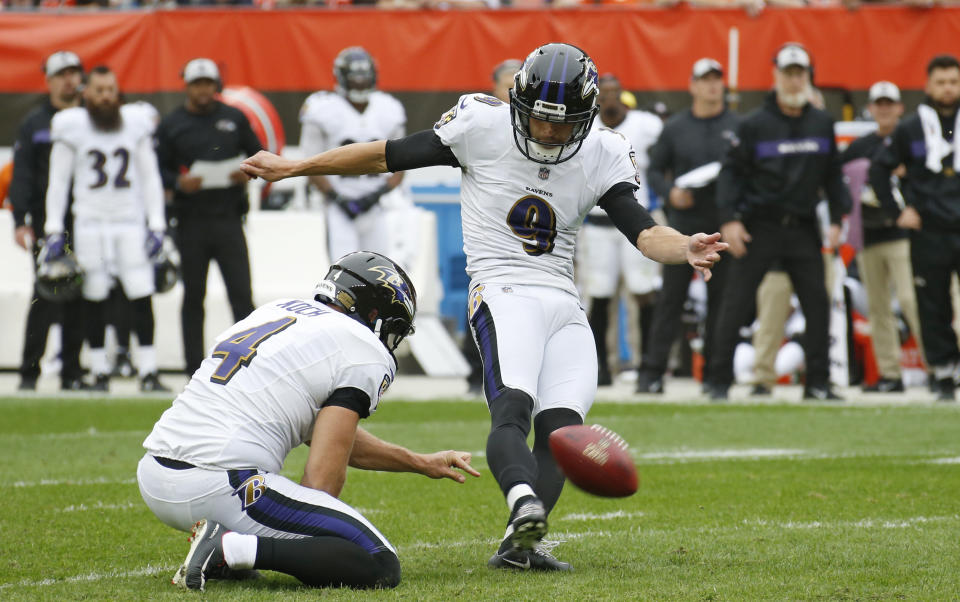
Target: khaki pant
<point>885,266</point>
<point>773,309</point>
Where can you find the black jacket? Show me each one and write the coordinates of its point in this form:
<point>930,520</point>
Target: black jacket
<point>688,142</point>
<point>878,224</point>
<point>936,196</point>
<point>31,168</point>
<point>778,165</point>
<point>184,137</point>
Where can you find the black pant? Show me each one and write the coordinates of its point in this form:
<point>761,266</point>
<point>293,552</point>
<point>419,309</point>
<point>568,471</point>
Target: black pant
<point>935,257</point>
<point>796,244</point>
<point>200,239</point>
<point>669,309</point>
<point>41,315</point>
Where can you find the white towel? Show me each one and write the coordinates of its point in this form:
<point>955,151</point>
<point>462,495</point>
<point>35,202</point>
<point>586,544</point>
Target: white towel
<point>937,147</point>
<point>699,177</point>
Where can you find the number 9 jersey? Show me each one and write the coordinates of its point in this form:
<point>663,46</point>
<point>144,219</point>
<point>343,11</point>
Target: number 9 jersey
<point>520,217</point>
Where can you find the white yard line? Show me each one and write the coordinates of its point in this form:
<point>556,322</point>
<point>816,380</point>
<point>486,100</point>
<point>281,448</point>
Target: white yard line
<point>722,454</point>
<point>150,569</point>
<point>954,460</point>
<point>100,506</point>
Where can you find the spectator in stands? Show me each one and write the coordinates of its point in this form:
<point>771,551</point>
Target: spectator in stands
<point>782,156</point>
<point>28,192</point>
<point>606,257</point>
<point>208,215</point>
<point>693,139</point>
<point>927,143</point>
<point>884,262</point>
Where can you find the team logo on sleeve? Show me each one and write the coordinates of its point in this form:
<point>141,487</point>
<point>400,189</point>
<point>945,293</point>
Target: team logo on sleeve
<point>636,167</point>
<point>251,490</point>
<point>384,385</point>
<point>400,289</point>
<point>446,118</point>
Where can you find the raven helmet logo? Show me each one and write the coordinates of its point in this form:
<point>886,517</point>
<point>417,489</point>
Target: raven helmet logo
<point>396,284</point>
<point>251,490</point>
<point>590,85</point>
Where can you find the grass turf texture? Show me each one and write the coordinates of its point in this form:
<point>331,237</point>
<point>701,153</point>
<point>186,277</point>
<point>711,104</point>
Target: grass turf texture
<point>814,502</point>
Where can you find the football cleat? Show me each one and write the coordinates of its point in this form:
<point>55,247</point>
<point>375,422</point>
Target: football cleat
<point>761,390</point>
<point>101,383</point>
<point>649,383</point>
<point>537,559</point>
<point>123,366</point>
<point>820,394</point>
<point>205,559</point>
<point>885,385</point>
<point>528,525</point>
<point>150,383</point>
<point>945,389</point>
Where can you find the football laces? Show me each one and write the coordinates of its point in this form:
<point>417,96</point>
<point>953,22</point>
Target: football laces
<point>615,438</point>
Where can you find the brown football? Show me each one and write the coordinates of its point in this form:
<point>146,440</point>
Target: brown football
<point>595,459</point>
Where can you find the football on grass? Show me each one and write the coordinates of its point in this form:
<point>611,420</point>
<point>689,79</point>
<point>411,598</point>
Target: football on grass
<point>595,459</point>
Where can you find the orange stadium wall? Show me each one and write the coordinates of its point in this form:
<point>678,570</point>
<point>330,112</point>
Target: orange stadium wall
<point>426,58</point>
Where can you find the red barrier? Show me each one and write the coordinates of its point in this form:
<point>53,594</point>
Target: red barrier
<point>650,49</point>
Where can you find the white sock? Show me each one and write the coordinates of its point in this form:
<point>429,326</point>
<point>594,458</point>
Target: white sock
<point>239,550</point>
<point>98,361</point>
<point>146,360</point>
<point>516,492</point>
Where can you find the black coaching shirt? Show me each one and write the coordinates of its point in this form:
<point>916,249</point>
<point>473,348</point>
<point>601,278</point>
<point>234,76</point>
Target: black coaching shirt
<point>184,137</point>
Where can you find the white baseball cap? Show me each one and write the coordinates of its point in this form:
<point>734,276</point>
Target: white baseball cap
<point>706,65</point>
<point>884,89</point>
<point>60,60</point>
<point>200,69</point>
<point>792,54</point>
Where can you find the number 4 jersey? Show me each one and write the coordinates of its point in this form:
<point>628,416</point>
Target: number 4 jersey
<point>114,173</point>
<point>256,395</point>
<point>520,217</point>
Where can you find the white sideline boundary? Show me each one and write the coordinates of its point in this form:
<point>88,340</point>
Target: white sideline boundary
<point>868,523</point>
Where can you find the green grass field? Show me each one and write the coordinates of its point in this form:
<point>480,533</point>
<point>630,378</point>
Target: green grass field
<point>736,502</point>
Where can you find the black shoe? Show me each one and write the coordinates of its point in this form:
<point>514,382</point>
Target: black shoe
<point>74,384</point>
<point>649,383</point>
<point>205,559</point>
<point>27,383</point>
<point>123,366</point>
<point>945,388</point>
<point>761,390</point>
<point>151,384</point>
<point>718,392</point>
<point>812,393</point>
<point>101,383</point>
<point>528,523</point>
<point>886,385</point>
<point>604,379</point>
<point>537,559</point>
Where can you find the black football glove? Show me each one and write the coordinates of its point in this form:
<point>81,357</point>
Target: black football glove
<point>355,207</point>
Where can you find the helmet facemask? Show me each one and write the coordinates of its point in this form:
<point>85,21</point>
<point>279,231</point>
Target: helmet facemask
<point>355,74</point>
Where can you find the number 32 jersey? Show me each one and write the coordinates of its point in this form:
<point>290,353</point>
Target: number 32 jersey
<point>115,176</point>
<point>520,217</point>
<point>257,395</point>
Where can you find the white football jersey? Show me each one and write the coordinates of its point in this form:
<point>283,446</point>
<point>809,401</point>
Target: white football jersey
<point>330,121</point>
<point>642,129</point>
<point>520,217</point>
<point>256,396</point>
<point>115,173</point>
